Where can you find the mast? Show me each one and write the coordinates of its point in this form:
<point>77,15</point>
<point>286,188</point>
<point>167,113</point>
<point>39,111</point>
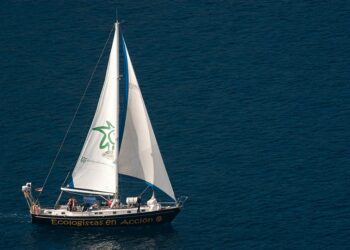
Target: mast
<point>117,24</point>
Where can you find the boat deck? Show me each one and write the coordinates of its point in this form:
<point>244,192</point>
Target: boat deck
<point>62,211</point>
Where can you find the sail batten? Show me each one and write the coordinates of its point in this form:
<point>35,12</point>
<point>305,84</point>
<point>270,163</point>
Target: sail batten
<point>139,155</point>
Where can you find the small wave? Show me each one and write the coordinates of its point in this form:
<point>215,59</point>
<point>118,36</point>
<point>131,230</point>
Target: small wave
<point>18,217</point>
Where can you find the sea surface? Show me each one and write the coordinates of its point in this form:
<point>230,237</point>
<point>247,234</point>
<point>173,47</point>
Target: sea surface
<point>249,100</point>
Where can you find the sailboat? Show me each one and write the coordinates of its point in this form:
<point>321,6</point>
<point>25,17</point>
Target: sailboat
<point>106,156</point>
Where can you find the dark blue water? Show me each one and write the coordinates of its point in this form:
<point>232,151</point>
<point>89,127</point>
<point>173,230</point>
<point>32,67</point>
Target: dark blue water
<point>249,101</point>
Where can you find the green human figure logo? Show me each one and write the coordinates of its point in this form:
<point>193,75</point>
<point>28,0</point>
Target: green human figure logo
<point>107,140</point>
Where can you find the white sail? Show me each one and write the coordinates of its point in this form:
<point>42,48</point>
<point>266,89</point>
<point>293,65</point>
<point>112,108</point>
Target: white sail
<point>96,168</point>
<point>139,155</point>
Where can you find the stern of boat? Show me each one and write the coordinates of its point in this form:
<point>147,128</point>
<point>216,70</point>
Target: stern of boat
<point>33,206</point>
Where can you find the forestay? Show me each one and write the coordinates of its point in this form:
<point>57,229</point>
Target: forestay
<point>139,155</point>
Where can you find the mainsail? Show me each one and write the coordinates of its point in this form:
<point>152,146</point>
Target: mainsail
<point>139,155</point>
<point>96,168</point>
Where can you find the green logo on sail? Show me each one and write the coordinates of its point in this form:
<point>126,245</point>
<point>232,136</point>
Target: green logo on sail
<point>107,140</point>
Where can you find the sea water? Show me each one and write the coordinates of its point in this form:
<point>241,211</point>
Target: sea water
<point>249,101</point>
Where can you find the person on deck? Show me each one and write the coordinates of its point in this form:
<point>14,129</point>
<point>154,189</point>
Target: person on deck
<point>138,203</point>
<point>71,203</point>
<point>109,203</point>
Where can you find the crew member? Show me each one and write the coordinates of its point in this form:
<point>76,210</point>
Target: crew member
<point>71,203</point>
<point>109,203</point>
<point>138,203</point>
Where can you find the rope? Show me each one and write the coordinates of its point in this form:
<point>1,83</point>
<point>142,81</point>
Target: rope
<point>74,116</point>
<point>144,191</point>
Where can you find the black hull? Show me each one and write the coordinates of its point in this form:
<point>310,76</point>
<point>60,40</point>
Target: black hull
<point>139,219</point>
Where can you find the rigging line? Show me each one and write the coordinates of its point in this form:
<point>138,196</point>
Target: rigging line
<point>70,170</point>
<point>75,114</point>
<point>144,191</point>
